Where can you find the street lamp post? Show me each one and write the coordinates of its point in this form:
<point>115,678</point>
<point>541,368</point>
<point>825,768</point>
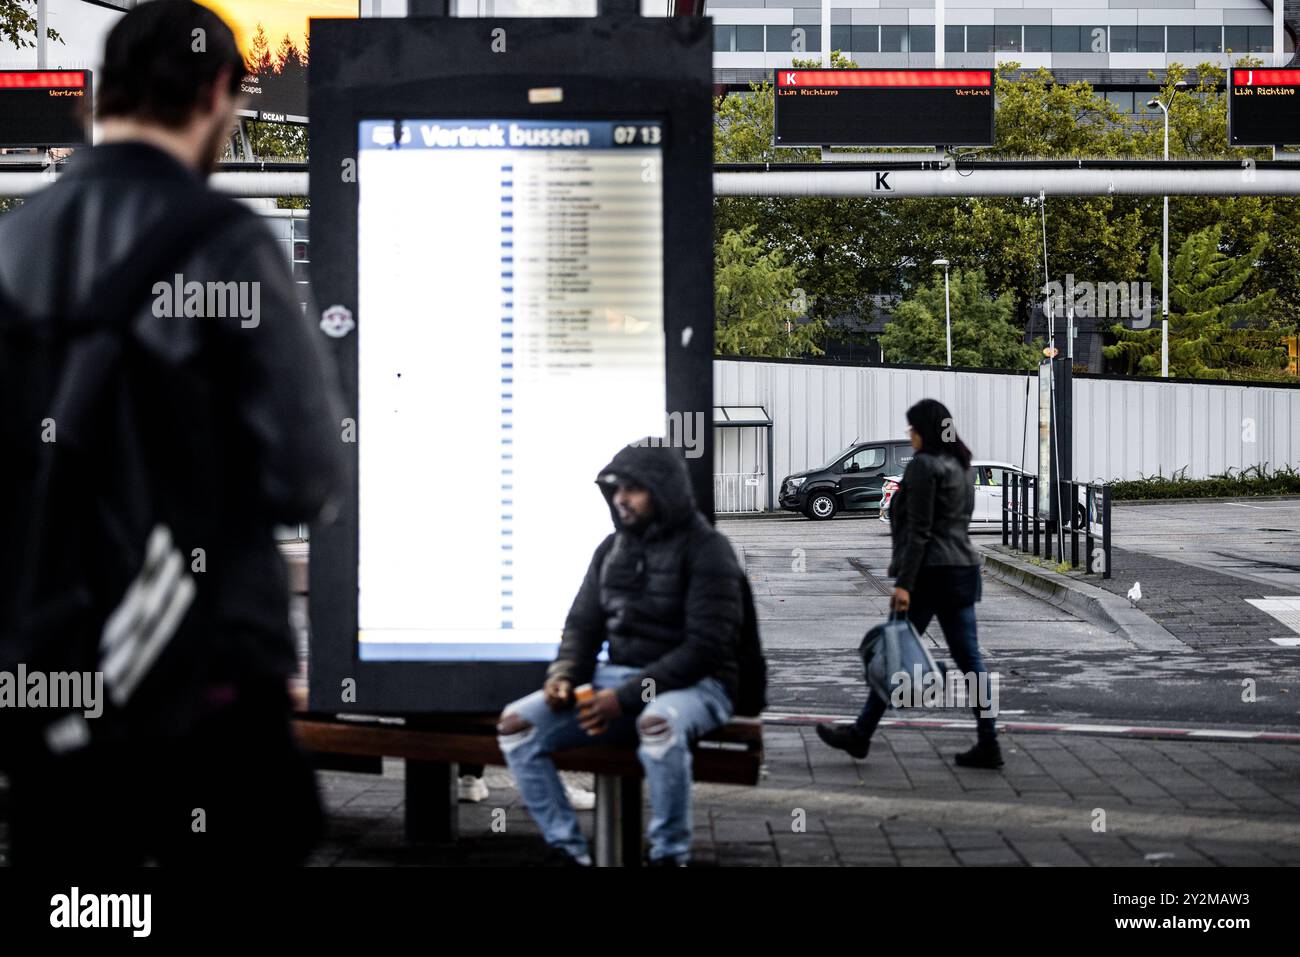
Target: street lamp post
<point>947,308</point>
<point>1164,257</point>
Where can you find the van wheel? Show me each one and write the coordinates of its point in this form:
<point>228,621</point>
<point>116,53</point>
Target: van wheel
<point>821,506</point>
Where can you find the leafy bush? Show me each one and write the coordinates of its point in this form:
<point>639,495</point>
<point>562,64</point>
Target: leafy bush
<point>1256,480</point>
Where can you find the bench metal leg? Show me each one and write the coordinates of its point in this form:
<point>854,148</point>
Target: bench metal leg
<point>431,802</point>
<point>618,821</point>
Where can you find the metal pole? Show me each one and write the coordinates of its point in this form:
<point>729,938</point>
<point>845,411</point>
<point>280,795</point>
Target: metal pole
<point>1087,530</point>
<point>1279,35</point>
<point>1036,522</point>
<point>1005,476</point>
<point>1164,292</point>
<point>1105,529</point>
<point>42,28</point>
<point>1074,529</point>
<point>826,34</point>
<point>609,811</point>
<point>947,315</point>
<point>1015,512</point>
<point>938,34</point>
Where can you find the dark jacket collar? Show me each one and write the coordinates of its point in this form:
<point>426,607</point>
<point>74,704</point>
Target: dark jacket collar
<point>129,160</point>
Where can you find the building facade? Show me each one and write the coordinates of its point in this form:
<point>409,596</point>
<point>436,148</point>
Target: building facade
<point>1111,44</point>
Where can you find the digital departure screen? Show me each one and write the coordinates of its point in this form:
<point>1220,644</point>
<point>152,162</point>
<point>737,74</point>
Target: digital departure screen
<point>44,108</point>
<point>1264,108</point>
<point>510,339</point>
<point>884,108</point>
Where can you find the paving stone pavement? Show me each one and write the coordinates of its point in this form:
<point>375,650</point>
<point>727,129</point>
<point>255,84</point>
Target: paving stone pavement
<point>1162,802</point>
<point>1204,609</point>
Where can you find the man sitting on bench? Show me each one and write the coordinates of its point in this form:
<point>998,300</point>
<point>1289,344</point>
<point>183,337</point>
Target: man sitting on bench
<point>664,590</point>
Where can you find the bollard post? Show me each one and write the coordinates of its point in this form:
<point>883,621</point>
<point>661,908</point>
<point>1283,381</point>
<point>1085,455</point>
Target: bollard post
<point>1105,529</point>
<point>1037,553</point>
<point>1088,541</point>
<point>1003,506</point>
<point>1074,526</point>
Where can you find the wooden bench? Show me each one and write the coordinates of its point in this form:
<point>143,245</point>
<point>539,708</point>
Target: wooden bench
<point>432,745</point>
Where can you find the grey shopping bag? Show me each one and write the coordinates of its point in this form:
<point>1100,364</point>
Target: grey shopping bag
<point>896,659</point>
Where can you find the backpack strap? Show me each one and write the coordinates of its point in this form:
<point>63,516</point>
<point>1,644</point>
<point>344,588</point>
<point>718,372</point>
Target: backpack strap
<point>117,292</point>
<point>121,286</point>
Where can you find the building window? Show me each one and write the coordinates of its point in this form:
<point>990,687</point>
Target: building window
<point>1208,39</point>
<point>842,37</point>
<point>954,39</point>
<point>723,37</point>
<point>866,38</point>
<point>921,39</point>
<point>1151,40</point>
<point>1065,39</point>
<point>1038,39</point>
<point>1006,38</point>
<point>1121,99</point>
<point>1124,39</point>
<point>1181,39</point>
<point>893,39</point>
<point>979,38</point>
<point>1261,39</point>
<point>749,39</point>
<point>1093,39</point>
<point>782,39</point>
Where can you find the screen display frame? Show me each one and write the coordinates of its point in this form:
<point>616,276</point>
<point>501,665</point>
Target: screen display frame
<point>557,69</point>
<point>882,79</point>
<point>83,101</point>
<point>1234,121</point>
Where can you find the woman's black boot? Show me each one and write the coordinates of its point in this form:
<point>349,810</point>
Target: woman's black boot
<point>986,754</point>
<point>845,737</point>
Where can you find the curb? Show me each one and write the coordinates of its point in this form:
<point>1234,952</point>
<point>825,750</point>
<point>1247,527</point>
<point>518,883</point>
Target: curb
<point>1231,499</point>
<point>1109,612</point>
<point>1150,732</point>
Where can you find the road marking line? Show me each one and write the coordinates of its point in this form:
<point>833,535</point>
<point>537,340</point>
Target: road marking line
<point>1283,608</point>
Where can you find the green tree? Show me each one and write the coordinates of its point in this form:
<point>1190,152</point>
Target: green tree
<point>18,24</point>
<point>983,333</point>
<point>758,306</point>
<point>1214,331</point>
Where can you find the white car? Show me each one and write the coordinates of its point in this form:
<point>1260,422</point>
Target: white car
<point>988,478</point>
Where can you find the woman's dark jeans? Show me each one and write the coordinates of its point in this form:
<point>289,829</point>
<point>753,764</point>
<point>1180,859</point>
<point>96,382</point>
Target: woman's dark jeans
<point>958,624</point>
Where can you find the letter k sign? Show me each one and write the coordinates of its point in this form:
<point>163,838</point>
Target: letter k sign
<point>882,182</point>
<point>790,79</point>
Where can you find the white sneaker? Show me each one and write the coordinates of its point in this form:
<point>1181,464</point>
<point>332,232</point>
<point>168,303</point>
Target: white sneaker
<point>473,789</point>
<point>580,798</point>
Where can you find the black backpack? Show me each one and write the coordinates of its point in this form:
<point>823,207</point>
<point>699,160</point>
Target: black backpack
<point>751,690</point>
<point>110,458</point>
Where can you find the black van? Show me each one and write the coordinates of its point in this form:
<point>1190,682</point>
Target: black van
<point>850,481</point>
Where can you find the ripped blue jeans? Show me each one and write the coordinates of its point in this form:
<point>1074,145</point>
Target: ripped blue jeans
<point>665,753</point>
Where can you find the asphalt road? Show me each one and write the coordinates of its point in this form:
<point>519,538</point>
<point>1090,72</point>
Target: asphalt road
<point>820,585</point>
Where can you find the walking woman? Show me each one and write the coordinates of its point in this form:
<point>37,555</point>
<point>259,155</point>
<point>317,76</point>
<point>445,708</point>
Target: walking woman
<point>936,570</point>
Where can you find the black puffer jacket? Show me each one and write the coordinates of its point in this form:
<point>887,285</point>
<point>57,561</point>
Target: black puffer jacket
<point>667,600</point>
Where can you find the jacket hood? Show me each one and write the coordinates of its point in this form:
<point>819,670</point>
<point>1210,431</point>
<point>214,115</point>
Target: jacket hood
<point>659,470</point>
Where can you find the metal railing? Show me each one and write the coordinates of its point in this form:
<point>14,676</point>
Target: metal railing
<point>1087,508</point>
<point>738,491</point>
